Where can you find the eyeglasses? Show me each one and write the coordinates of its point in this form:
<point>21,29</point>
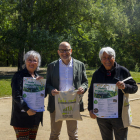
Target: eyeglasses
<point>62,51</point>
<point>32,61</point>
<point>107,58</point>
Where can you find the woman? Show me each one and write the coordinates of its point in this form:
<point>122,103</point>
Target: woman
<point>25,120</point>
<point>112,73</point>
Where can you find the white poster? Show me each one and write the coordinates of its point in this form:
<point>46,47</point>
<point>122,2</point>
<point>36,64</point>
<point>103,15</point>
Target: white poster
<point>34,93</point>
<point>105,100</point>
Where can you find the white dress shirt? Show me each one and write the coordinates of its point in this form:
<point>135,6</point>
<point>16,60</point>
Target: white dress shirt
<point>65,75</point>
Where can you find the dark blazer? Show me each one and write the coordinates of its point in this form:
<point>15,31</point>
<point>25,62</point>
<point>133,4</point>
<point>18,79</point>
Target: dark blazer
<point>18,118</point>
<point>52,82</point>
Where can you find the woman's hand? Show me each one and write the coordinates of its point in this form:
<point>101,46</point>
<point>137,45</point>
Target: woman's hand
<point>120,85</point>
<point>93,116</point>
<point>31,112</point>
<point>39,77</point>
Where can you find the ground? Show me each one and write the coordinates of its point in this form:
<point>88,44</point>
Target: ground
<point>87,129</point>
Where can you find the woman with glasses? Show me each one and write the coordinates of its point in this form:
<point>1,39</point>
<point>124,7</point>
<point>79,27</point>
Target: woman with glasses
<point>111,73</point>
<point>24,120</point>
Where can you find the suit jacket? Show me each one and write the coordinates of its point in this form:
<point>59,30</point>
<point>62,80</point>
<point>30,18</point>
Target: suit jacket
<point>52,82</point>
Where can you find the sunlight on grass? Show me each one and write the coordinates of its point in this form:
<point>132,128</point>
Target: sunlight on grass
<point>5,83</point>
<point>5,87</point>
<point>89,75</point>
<point>136,76</point>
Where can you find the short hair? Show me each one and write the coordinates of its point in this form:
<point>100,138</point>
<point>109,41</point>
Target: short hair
<point>63,44</point>
<point>108,50</point>
<point>34,54</point>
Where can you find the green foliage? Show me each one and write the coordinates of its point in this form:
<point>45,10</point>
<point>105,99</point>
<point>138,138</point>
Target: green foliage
<point>88,25</point>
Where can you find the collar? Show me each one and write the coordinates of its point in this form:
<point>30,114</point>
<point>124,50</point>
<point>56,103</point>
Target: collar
<point>26,72</point>
<point>69,64</point>
<point>102,68</point>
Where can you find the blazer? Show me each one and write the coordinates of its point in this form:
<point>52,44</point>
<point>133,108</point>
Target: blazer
<point>52,82</point>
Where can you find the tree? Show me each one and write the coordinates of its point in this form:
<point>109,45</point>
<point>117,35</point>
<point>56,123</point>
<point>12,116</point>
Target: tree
<point>88,25</point>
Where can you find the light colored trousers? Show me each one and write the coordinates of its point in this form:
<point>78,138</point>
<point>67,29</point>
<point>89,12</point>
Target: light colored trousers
<point>56,128</point>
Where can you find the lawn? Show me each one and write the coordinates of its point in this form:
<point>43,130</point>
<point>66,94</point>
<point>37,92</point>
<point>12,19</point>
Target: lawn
<point>5,88</point>
<point>136,76</point>
<point>89,75</point>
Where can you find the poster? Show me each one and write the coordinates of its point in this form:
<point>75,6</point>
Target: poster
<point>105,100</point>
<point>34,93</point>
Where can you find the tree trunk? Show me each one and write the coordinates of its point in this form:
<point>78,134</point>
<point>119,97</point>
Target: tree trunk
<point>20,61</point>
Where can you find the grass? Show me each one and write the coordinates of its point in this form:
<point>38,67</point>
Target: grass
<point>5,88</point>
<point>136,76</point>
<point>89,75</point>
<point>5,82</point>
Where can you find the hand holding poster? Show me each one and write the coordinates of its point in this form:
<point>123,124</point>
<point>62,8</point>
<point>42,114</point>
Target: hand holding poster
<point>34,93</point>
<point>105,100</point>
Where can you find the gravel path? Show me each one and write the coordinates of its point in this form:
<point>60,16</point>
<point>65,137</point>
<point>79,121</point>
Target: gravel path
<point>88,128</point>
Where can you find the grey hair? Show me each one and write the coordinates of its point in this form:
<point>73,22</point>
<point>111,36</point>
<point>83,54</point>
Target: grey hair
<point>108,50</point>
<point>34,54</point>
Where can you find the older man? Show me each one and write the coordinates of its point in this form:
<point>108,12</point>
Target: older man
<point>62,74</point>
<point>112,73</point>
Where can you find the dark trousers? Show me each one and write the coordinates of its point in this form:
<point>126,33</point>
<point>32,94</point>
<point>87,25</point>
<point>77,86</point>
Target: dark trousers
<point>107,126</point>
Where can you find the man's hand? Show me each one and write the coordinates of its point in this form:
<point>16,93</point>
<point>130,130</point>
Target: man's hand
<point>120,85</point>
<point>54,92</point>
<point>93,116</point>
<point>31,112</point>
<point>80,90</point>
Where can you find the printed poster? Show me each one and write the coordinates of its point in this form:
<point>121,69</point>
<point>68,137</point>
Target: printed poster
<point>105,100</point>
<point>34,93</point>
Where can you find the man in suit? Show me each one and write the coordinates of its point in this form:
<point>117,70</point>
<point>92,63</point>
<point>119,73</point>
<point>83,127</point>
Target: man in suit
<point>62,74</point>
